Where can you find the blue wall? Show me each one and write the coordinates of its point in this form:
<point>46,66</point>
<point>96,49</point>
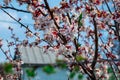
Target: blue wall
<point>59,75</point>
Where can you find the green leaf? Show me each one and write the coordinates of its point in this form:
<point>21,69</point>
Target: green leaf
<point>76,68</point>
<point>49,69</point>
<point>79,58</point>
<point>80,76</point>
<point>72,74</point>
<point>80,24</point>
<point>112,77</point>
<point>30,72</point>
<point>109,70</point>
<point>80,17</point>
<point>79,20</point>
<point>78,44</point>
<point>61,64</point>
<point>8,68</point>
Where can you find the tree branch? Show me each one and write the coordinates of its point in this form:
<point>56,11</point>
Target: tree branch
<point>111,60</point>
<point>116,24</point>
<point>96,44</point>
<point>108,7</point>
<point>62,37</point>
<point>113,71</point>
<point>6,54</point>
<point>51,13</point>
<point>114,5</point>
<point>80,63</point>
<point>19,10</point>
<point>26,27</point>
<point>16,20</point>
<point>69,18</point>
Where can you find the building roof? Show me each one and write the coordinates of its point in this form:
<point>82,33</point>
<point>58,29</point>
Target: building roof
<point>36,55</point>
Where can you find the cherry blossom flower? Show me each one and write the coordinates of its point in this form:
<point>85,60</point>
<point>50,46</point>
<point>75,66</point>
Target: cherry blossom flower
<point>7,1</point>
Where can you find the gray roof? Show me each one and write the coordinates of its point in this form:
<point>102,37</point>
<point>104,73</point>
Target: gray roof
<point>36,55</point>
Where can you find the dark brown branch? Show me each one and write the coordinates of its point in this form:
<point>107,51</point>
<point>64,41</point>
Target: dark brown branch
<point>114,5</point>
<point>62,37</point>
<point>85,70</point>
<point>51,13</point>
<point>42,12</point>
<point>108,6</point>
<point>117,30</point>
<point>16,20</point>
<point>79,63</point>
<point>19,10</point>
<point>26,27</point>
<point>76,44</point>
<point>69,18</point>
<point>116,24</point>
<point>96,44</point>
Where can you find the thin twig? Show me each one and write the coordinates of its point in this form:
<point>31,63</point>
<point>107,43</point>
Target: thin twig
<point>111,61</point>
<point>113,71</point>
<point>114,5</point>
<point>9,50</point>
<point>69,18</point>
<point>5,54</point>
<point>108,6</point>
<point>16,20</point>
<point>62,37</point>
<point>26,27</point>
<point>51,13</point>
<point>19,10</point>
<point>116,24</point>
<point>80,63</point>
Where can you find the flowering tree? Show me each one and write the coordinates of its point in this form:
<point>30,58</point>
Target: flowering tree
<point>76,29</point>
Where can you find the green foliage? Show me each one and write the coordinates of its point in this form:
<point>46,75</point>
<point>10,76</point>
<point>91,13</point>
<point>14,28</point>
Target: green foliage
<point>61,64</point>
<point>80,17</point>
<point>78,44</point>
<point>76,72</point>
<point>72,74</point>
<point>49,69</point>
<point>80,24</point>
<point>109,70</point>
<point>76,68</point>
<point>79,58</point>
<point>80,76</point>
<point>8,68</point>
<point>79,20</point>
<point>112,77</point>
<point>30,72</point>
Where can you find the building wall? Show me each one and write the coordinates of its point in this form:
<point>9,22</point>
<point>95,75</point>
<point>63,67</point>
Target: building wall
<point>59,75</point>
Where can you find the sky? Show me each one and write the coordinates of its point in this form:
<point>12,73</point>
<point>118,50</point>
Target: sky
<point>6,21</point>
